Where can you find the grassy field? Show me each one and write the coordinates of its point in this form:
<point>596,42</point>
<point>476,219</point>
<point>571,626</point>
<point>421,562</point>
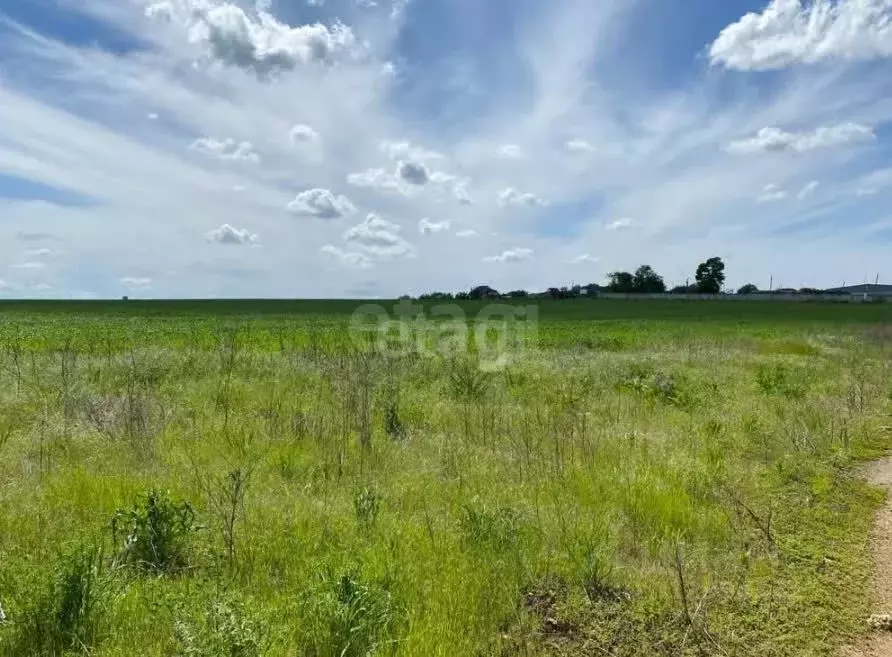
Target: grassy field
<point>204,479</point>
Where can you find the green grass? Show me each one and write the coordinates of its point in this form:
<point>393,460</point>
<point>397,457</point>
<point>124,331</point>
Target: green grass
<point>240,478</point>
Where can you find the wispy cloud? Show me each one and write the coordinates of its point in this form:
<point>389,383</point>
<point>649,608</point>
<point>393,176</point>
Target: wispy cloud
<point>227,121</point>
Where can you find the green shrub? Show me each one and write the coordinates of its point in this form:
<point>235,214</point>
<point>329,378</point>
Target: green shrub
<point>366,505</point>
<point>66,613</point>
<point>780,379</point>
<point>155,534</point>
<point>225,632</point>
<point>349,617</point>
<point>493,528</point>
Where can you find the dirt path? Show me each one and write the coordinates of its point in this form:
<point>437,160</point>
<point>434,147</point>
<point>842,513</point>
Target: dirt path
<point>880,643</point>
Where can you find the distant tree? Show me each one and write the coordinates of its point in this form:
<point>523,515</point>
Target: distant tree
<point>591,290</point>
<point>484,292</point>
<point>462,296</point>
<point>684,289</point>
<point>710,276</point>
<point>554,292</point>
<point>809,290</point>
<point>647,281</point>
<point>518,294</point>
<point>436,296</point>
<point>575,291</point>
<point>749,288</point>
<point>621,282</point>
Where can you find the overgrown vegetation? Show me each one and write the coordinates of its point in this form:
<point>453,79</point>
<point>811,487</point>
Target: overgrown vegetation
<point>661,480</point>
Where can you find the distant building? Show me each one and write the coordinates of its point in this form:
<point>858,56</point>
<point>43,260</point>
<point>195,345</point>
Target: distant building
<point>867,289</point>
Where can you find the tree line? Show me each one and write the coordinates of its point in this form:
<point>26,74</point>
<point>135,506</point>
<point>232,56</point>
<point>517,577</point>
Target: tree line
<point>709,278</point>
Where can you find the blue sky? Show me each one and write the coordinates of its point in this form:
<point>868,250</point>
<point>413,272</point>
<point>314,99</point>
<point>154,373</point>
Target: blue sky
<point>181,148</point>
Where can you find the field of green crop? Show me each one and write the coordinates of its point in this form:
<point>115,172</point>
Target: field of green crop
<point>204,479</point>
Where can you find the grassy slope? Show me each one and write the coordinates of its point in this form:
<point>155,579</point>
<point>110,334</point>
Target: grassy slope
<point>638,468</point>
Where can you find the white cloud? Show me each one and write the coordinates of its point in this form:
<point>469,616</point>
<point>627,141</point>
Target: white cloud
<point>408,175</point>
<point>517,254</point>
<point>227,149</point>
<point>620,224</point>
<point>136,283</point>
<point>789,32</point>
<point>152,116</point>
<point>262,45</point>
<point>773,140</point>
<point>414,173</point>
<point>405,150</point>
<point>511,151</point>
<point>585,258</point>
<point>322,204</point>
<point>228,235</point>
<point>40,253</point>
<point>513,198</point>
<point>303,134</point>
<point>772,194</point>
<point>656,155</point>
<point>347,258</point>
<point>375,179</point>
<point>379,237</point>
<point>29,265</point>
<point>579,146</point>
<point>458,186</point>
<point>4,286</point>
<point>426,227</point>
<point>809,190</point>
<point>875,181</point>
<point>461,193</point>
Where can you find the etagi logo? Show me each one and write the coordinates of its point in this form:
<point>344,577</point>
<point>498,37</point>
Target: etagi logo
<point>493,334</point>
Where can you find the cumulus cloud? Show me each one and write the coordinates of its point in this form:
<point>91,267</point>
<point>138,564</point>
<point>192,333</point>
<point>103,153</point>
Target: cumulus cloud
<point>379,237</point>
<point>510,151</point>
<point>135,283</point>
<point>426,227</point>
<point>513,198</point>
<point>228,235</point>
<point>458,186</point>
<point>350,259</point>
<point>772,194</point>
<point>775,140</point>
<point>375,179</point>
<point>789,32</point>
<point>227,149</point>
<point>322,204</point>
<point>260,44</point>
<point>620,224</point>
<point>461,193</point>
<point>414,173</point>
<point>584,258</point>
<point>579,146</point>
<point>303,134</point>
<point>406,176</point>
<point>405,150</point>
<point>517,254</point>
<point>29,265</point>
<point>809,190</point>
<point>465,234</point>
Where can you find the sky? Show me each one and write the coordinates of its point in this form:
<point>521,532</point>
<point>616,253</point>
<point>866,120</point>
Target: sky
<point>371,148</point>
